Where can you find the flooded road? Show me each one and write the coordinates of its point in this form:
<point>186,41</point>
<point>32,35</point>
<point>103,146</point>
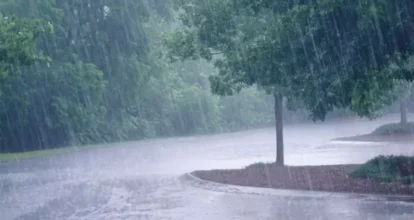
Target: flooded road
<point>141,180</point>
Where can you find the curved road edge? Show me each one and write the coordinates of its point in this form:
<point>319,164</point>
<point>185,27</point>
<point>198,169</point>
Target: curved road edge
<point>289,194</point>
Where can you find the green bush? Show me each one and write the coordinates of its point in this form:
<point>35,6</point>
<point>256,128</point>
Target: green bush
<point>395,128</point>
<point>388,169</point>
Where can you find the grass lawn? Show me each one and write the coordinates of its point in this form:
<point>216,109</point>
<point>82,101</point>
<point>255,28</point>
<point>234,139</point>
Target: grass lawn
<point>395,128</point>
<point>394,132</point>
<point>48,152</point>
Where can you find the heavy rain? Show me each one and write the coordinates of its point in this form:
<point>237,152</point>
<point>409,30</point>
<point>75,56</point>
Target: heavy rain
<point>206,109</point>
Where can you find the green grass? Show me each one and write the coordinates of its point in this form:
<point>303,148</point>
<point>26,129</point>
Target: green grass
<point>48,152</point>
<point>395,128</point>
<point>388,169</point>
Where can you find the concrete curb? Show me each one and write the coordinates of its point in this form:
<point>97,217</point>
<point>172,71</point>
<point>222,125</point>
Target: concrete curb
<point>289,194</point>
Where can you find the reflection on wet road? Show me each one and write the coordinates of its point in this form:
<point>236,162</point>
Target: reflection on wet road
<point>140,180</point>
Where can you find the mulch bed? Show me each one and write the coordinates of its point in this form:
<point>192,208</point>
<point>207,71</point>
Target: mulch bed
<point>318,178</point>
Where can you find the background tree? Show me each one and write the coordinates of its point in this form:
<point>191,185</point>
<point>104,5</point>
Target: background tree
<point>18,44</point>
<point>106,81</point>
<point>403,90</point>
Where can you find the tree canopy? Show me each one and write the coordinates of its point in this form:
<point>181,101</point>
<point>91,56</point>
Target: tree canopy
<point>322,54</point>
<point>77,72</point>
<point>327,53</point>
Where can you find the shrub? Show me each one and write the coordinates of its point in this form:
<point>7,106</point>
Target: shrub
<point>395,128</point>
<point>388,169</point>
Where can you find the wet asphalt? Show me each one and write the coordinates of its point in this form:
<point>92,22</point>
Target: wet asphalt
<point>143,179</point>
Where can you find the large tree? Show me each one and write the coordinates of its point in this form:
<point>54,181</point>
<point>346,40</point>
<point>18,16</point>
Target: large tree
<point>326,53</point>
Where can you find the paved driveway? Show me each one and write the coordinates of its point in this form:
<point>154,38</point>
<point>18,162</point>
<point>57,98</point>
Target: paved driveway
<point>141,180</point>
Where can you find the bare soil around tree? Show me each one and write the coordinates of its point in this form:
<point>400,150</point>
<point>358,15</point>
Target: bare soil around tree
<point>334,178</point>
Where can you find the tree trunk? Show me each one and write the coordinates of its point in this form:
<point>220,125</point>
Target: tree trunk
<point>403,111</point>
<point>279,130</point>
